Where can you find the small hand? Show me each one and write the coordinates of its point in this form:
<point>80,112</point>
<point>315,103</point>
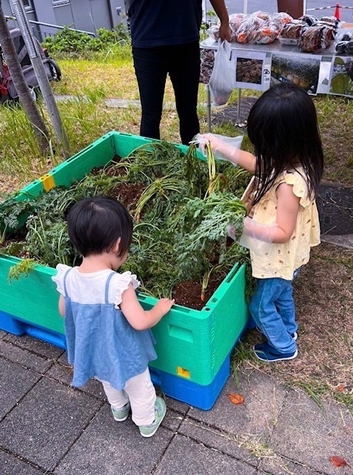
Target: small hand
<point>164,305</point>
<point>223,148</point>
<point>215,142</point>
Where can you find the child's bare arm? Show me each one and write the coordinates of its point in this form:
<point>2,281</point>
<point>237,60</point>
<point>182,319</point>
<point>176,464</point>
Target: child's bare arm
<point>62,306</point>
<point>256,235</point>
<point>139,318</point>
<point>287,213</point>
<point>233,154</point>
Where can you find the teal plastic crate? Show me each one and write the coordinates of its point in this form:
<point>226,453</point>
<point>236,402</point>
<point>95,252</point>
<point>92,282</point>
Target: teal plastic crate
<point>191,344</point>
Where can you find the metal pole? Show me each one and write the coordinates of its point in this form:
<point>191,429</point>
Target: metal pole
<point>245,7</point>
<point>51,25</point>
<point>204,11</point>
<point>43,81</point>
<point>208,108</point>
<point>239,106</point>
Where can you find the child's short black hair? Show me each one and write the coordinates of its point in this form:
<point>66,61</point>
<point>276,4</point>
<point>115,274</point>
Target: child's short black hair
<point>95,224</point>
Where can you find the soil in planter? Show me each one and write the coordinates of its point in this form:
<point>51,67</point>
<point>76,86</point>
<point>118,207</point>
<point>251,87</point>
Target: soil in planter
<point>188,293</point>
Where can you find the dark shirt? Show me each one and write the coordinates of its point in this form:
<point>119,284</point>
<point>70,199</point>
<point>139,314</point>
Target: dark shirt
<point>164,22</point>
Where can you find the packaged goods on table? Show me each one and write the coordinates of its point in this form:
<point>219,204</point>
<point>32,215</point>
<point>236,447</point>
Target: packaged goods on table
<point>235,20</point>
<point>291,32</point>
<point>344,41</point>
<point>318,35</point>
<point>315,39</point>
<point>258,28</point>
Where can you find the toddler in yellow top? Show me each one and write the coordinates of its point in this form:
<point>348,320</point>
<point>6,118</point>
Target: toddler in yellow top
<point>282,223</point>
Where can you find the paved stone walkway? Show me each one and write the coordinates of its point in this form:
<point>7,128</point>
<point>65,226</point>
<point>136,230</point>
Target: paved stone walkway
<point>47,427</point>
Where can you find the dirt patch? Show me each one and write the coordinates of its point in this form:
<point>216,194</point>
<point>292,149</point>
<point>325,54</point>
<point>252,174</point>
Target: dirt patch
<point>232,113</point>
<point>189,293</point>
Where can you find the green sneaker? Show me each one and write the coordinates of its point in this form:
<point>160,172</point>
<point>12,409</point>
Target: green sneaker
<point>159,410</point>
<point>121,414</point>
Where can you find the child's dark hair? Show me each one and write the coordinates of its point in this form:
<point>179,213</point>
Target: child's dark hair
<point>95,224</point>
<point>283,128</point>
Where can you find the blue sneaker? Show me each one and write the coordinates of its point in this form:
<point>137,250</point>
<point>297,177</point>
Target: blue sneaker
<point>160,410</point>
<point>293,335</point>
<point>121,414</point>
<point>266,352</point>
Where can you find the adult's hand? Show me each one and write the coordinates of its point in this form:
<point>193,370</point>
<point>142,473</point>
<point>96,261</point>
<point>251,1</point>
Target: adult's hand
<point>222,13</point>
<point>225,31</point>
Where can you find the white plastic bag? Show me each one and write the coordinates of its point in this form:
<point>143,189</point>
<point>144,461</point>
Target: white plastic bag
<point>222,80</point>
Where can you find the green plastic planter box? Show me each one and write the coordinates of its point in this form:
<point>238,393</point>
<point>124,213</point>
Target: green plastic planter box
<point>191,344</point>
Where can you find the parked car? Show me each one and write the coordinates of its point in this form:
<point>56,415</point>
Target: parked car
<point>7,87</point>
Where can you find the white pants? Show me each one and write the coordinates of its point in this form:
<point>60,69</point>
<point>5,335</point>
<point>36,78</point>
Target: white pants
<point>140,391</point>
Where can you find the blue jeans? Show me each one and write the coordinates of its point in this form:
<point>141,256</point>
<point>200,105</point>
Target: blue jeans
<point>182,63</point>
<point>272,308</point>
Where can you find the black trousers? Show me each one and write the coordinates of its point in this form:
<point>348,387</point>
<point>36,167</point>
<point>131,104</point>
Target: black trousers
<point>182,63</point>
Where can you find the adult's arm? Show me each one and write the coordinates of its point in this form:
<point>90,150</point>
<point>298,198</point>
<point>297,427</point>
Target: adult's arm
<point>222,13</point>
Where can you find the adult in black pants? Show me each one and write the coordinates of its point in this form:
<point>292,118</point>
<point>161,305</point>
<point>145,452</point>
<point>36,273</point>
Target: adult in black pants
<point>165,40</point>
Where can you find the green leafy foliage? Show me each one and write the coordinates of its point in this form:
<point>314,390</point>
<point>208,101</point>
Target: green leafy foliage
<point>203,233</point>
<point>68,41</point>
<point>13,213</point>
<point>180,220</point>
<point>72,41</point>
<point>22,269</point>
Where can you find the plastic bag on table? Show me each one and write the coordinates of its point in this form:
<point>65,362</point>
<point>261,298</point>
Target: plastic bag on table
<point>268,33</point>
<point>258,28</point>
<point>281,19</point>
<point>235,20</point>
<point>315,39</point>
<point>344,41</point>
<point>249,29</point>
<point>222,80</point>
<point>213,32</point>
<point>292,31</point>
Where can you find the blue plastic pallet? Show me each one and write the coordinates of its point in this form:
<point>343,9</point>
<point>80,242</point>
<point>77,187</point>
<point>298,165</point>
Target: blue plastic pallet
<point>16,326</point>
<point>176,387</point>
<point>196,395</point>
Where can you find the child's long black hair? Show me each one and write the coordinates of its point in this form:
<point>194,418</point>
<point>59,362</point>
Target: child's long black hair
<point>283,128</point>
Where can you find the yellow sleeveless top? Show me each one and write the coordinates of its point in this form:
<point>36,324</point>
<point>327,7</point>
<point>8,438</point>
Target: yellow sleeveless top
<point>281,260</point>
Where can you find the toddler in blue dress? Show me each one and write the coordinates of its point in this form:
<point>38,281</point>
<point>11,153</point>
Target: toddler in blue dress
<point>107,331</point>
